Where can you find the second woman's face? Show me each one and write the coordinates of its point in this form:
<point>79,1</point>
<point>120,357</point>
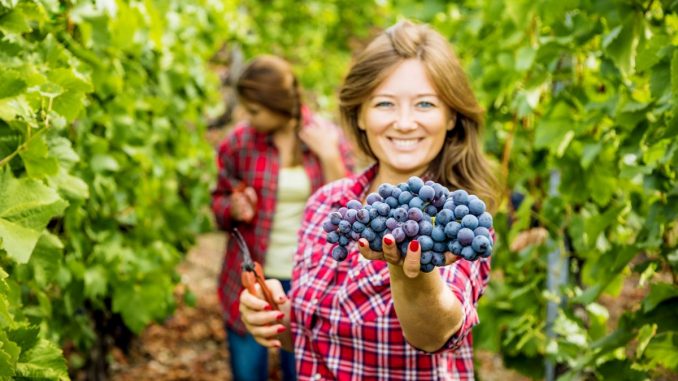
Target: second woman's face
<point>263,119</point>
<point>405,120</point>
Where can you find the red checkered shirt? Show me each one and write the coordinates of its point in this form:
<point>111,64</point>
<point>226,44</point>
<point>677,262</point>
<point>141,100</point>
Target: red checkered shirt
<point>343,320</point>
<point>250,156</point>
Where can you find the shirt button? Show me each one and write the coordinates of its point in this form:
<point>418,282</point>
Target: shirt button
<point>317,376</point>
<point>314,301</point>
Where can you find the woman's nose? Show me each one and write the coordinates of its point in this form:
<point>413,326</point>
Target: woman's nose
<point>405,121</point>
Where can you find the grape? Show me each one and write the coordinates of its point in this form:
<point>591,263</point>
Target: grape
<point>460,211</point>
<point>329,227</point>
<point>416,202</point>
<point>351,215</point>
<point>378,224</point>
<point>335,218</point>
<point>411,228</point>
<point>465,236</point>
<point>440,247</point>
<point>372,198</point>
<point>425,242</point>
<point>460,197</point>
<point>403,247</point>
<point>400,214</point>
<point>383,209</point>
<point>339,253</point>
<point>481,230</point>
<point>395,192</point>
<point>385,190</point>
<point>425,227</point>
<point>354,204</point>
<point>468,253</point>
<point>444,217</point>
<point>487,252</point>
<point>431,210</point>
<point>376,244</point>
<point>358,227</point>
<point>476,207</point>
<point>451,229</point>
<point>426,257</point>
<point>480,244</point>
<point>403,187</point>
<point>427,268</point>
<point>415,214</point>
<point>392,202</point>
<point>332,237</point>
<point>405,197</point>
<point>363,215</point>
<point>415,183</point>
<point>343,240</point>
<point>438,203</point>
<point>344,226</point>
<point>398,234</point>
<point>455,247</point>
<point>373,213</point>
<point>391,223</point>
<point>438,259</point>
<point>426,193</point>
<point>485,220</point>
<point>438,233</point>
<point>469,221</point>
<point>368,234</point>
<point>354,235</point>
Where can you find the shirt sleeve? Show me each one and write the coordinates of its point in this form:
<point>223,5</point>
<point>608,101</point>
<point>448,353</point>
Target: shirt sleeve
<point>468,281</point>
<point>221,194</point>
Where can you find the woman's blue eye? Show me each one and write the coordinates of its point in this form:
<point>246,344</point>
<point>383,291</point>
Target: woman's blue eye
<point>383,104</point>
<point>426,104</point>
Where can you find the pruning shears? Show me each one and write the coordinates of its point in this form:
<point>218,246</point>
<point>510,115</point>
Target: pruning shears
<point>252,272</point>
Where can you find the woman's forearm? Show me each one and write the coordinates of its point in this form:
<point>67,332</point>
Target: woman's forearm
<point>427,309</point>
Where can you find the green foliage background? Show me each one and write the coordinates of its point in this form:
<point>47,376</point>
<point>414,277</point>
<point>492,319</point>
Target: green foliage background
<point>104,170</point>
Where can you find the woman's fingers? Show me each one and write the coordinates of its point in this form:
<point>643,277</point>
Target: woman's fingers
<point>365,251</point>
<point>260,319</point>
<point>411,263</point>
<point>391,253</point>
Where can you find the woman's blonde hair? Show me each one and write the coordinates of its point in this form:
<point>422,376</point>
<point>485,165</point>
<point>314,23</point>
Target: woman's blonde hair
<point>460,164</point>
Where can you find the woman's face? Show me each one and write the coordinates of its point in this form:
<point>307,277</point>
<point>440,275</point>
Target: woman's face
<point>405,121</point>
<point>263,119</point>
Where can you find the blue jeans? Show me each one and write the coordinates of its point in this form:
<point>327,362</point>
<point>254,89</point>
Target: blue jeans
<point>249,360</point>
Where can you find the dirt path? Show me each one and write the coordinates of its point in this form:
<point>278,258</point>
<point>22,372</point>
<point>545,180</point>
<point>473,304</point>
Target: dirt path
<point>191,344</point>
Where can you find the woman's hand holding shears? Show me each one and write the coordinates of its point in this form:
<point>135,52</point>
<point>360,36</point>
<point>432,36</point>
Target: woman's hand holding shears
<point>264,307</point>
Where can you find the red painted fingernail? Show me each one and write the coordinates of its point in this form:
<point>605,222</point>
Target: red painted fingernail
<point>361,243</point>
<point>282,329</point>
<point>268,307</point>
<point>414,245</point>
<point>388,241</point>
<point>280,316</point>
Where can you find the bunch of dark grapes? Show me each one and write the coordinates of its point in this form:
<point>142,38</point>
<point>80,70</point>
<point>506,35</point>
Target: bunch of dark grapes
<point>426,211</point>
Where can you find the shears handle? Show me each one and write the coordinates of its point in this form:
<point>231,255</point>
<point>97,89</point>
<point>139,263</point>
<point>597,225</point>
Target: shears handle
<point>250,278</point>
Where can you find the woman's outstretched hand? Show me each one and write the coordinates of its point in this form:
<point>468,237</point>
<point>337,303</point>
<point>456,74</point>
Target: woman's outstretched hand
<point>391,254</point>
<point>265,323</point>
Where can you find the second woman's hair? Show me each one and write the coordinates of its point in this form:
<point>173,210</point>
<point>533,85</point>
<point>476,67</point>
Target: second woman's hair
<point>269,81</point>
<point>460,163</point>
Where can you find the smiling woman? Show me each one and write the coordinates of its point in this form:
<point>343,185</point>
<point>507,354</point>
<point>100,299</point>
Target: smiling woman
<point>368,317</point>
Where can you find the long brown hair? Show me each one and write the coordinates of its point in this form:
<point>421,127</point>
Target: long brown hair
<point>460,164</point>
<point>270,81</point>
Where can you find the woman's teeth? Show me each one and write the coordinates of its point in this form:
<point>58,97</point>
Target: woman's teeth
<point>404,143</point>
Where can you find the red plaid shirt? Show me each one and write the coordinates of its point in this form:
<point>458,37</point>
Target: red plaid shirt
<point>250,156</point>
<point>343,320</point>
